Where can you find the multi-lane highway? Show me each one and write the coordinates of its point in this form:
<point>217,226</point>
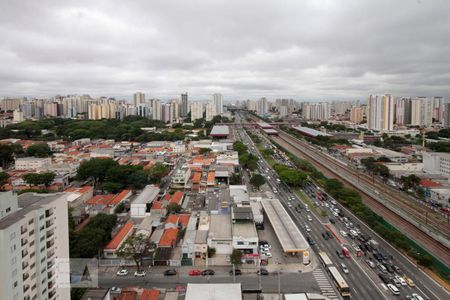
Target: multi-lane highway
<point>363,280</point>
<point>399,214</point>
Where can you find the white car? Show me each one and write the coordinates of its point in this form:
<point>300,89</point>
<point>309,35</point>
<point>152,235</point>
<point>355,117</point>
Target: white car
<point>122,272</point>
<point>309,218</point>
<point>307,228</point>
<point>401,280</point>
<point>139,274</point>
<point>343,233</point>
<point>393,289</point>
<point>344,268</point>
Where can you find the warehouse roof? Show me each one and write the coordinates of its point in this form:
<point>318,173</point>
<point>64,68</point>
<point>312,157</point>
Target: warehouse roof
<point>220,130</point>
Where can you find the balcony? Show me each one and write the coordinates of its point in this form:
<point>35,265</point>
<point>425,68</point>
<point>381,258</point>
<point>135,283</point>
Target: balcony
<point>48,213</point>
<point>24,265</point>
<point>50,244</point>
<point>23,230</point>
<point>50,254</point>
<point>50,285</point>
<point>26,288</point>
<point>50,264</point>
<point>50,274</point>
<point>24,241</point>
<point>49,223</point>
<point>25,276</point>
<point>50,233</point>
<point>24,253</point>
<point>52,294</point>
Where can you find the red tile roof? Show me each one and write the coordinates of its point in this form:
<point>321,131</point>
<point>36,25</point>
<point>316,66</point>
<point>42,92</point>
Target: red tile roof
<point>119,237</point>
<point>128,295</point>
<point>184,219</point>
<point>172,219</point>
<point>169,237</point>
<point>150,295</point>
<point>429,183</point>
<point>196,178</point>
<point>119,197</point>
<point>100,199</point>
<point>157,205</point>
<point>176,198</point>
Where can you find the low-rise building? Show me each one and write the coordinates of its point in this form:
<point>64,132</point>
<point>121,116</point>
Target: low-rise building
<point>436,162</point>
<point>219,235</point>
<point>32,163</point>
<point>138,207</point>
<point>245,237</point>
<point>119,238</point>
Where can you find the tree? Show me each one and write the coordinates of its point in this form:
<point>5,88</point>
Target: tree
<point>236,257</point>
<point>111,187</point>
<point>410,182</point>
<point>3,179</point>
<point>292,177</point>
<point>39,178</point>
<point>39,150</point>
<point>211,251</point>
<point>135,247</point>
<point>240,147</point>
<point>425,260</point>
<point>95,169</point>
<point>138,179</point>
<point>257,180</point>
<point>157,172</point>
<point>173,208</point>
<point>6,155</point>
<point>249,161</point>
<point>235,178</point>
<point>204,150</point>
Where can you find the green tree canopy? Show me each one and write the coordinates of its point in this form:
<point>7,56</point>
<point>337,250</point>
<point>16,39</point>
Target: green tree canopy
<point>157,172</point>
<point>204,150</point>
<point>135,248</point>
<point>236,257</point>
<point>95,169</point>
<point>292,177</point>
<point>39,150</point>
<point>3,179</point>
<point>249,161</point>
<point>257,180</point>
<point>240,147</point>
<point>39,178</point>
<point>173,208</point>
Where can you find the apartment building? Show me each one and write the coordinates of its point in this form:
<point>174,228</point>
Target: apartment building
<point>33,239</point>
<point>32,163</point>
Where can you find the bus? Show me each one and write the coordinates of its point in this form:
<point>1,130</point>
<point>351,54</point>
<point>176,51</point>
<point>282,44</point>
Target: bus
<point>325,260</point>
<point>339,281</point>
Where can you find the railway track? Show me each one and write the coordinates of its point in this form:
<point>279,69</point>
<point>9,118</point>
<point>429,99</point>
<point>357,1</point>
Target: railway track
<point>337,170</point>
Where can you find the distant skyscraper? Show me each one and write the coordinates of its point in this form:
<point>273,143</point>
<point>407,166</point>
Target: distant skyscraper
<point>251,105</point>
<point>446,115</point>
<point>380,112</point>
<point>167,113</point>
<point>356,114</point>
<point>283,110</point>
<point>184,105</point>
<point>421,112</point>
<point>210,111</point>
<point>196,110</point>
<point>263,106</point>
<point>402,111</point>
<point>138,98</point>
<point>156,109</point>
<point>438,106</point>
<point>218,102</point>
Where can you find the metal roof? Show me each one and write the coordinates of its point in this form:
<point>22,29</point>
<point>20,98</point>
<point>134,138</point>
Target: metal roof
<point>310,131</point>
<point>220,130</point>
<point>290,237</point>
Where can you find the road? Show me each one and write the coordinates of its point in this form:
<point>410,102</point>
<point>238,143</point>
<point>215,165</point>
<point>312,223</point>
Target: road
<point>362,279</point>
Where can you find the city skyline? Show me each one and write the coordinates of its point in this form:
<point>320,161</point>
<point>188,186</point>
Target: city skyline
<point>305,50</point>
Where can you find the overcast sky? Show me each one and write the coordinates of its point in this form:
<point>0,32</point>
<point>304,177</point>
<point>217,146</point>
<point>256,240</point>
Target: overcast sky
<point>313,49</point>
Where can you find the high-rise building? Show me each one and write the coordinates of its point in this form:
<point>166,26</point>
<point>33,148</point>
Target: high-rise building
<point>283,110</point>
<point>421,112</point>
<point>263,106</point>
<point>438,107</point>
<point>10,104</point>
<point>167,113</point>
<point>356,114</point>
<point>317,111</point>
<point>184,105</point>
<point>34,243</point>
<point>380,112</point>
<point>218,102</point>
<point>446,115</point>
<point>251,105</point>
<point>138,98</point>
<point>175,104</point>
<point>210,111</point>
<point>196,110</point>
<point>155,104</point>
<point>402,111</point>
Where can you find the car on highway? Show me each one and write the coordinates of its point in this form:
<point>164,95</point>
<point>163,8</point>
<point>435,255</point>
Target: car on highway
<point>339,254</point>
<point>344,268</point>
<point>401,280</point>
<point>330,236</point>
<point>393,289</point>
<point>384,278</point>
<point>382,268</point>
<point>237,272</point>
<point>310,241</point>
<point>170,272</point>
<point>139,273</point>
<point>122,272</point>
<point>309,218</point>
<point>325,236</point>
<point>410,282</point>
<point>417,296</point>
<point>307,228</point>
<point>370,263</point>
<point>208,272</point>
<point>343,233</point>
<point>195,272</point>
<point>345,252</point>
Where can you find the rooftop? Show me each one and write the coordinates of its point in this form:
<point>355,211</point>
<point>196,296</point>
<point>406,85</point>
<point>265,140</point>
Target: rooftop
<point>244,229</point>
<point>220,227</point>
<point>150,295</point>
<point>120,235</point>
<point>169,237</point>
<point>147,195</point>
<point>221,130</point>
<point>213,291</point>
<point>310,132</point>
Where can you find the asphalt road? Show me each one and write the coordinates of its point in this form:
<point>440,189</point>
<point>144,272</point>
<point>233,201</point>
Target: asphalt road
<point>363,281</point>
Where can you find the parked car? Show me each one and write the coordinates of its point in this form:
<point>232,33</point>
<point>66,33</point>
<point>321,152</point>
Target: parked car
<point>236,272</point>
<point>170,272</point>
<point>195,272</point>
<point>384,278</point>
<point>139,273</point>
<point>122,272</point>
<point>263,271</point>
<point>410,282</point>
<point>208,272</point>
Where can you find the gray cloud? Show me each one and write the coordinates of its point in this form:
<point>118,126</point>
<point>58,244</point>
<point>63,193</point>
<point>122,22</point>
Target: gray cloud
<point>311,49</point>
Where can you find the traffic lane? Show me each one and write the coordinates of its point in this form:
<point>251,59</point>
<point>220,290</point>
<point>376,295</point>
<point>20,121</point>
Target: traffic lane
<point>289,282</point>
<point>405,265</point>
<point>356,281</point>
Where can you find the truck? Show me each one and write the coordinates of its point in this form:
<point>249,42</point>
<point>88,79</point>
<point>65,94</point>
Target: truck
<point>373,244</point>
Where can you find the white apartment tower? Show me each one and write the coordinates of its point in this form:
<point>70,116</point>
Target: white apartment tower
<point>210,111</point>
<point>218,103</point>
<point>380,112</point>
<point>196,110</point>
<point>34,239</point>
<point>263,106</point>
<point>138,98</point>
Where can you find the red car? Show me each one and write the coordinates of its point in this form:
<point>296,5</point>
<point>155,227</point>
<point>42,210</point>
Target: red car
<point>195,272</point>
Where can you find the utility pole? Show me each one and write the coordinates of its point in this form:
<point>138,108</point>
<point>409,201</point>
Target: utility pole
<point>234,274</point>
<point>279,281</point>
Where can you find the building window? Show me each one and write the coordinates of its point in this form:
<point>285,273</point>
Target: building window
<point>240,243</point>
<point>15,284</point>
<point>41,217</point>
<point>8,209</point>
<point>31,222</point>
